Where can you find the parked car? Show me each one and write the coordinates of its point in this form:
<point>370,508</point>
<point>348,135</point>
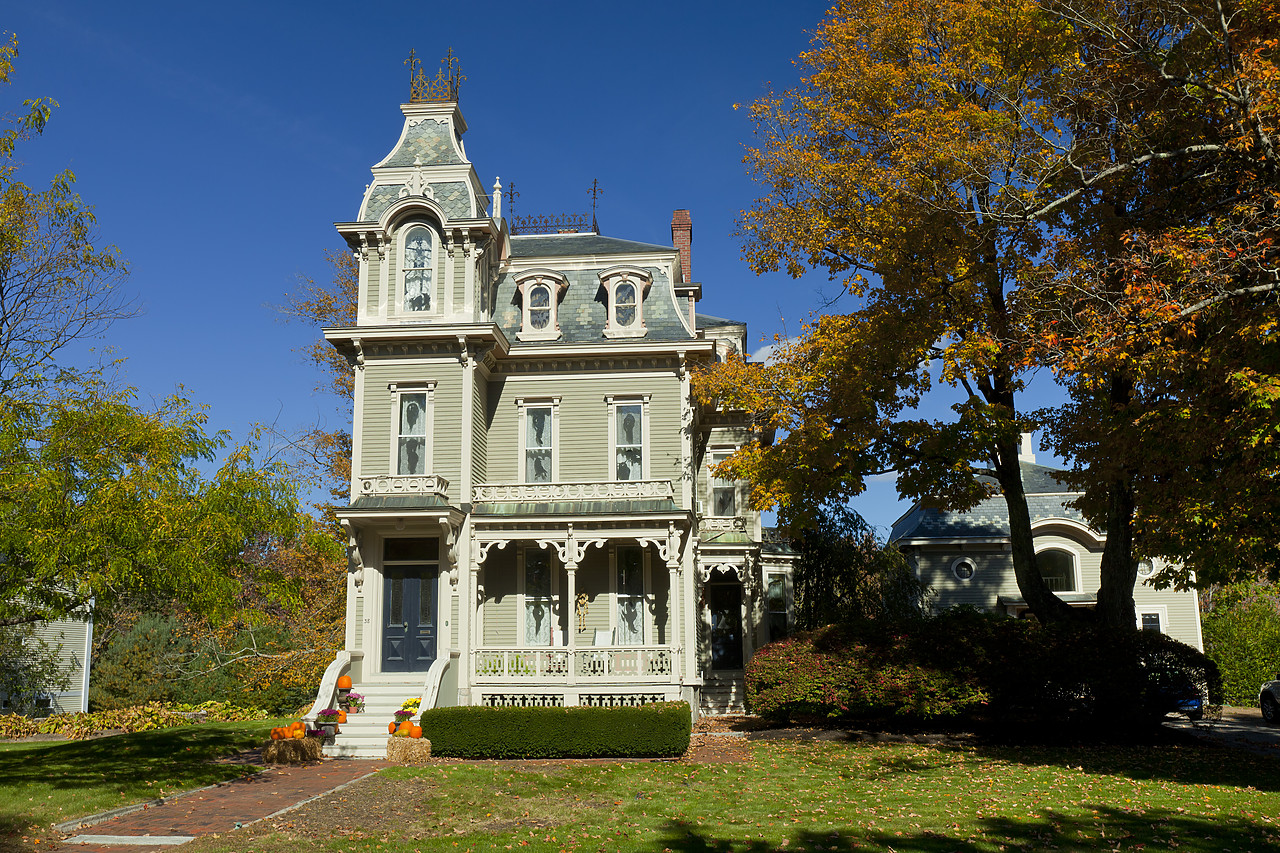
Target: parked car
<point>1269,701</point>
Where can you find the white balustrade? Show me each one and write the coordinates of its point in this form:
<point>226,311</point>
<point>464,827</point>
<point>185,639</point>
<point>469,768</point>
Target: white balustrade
<point>591,665</point>
<point>586,491</point>
<point>714,523</point>
<point>404,484</point>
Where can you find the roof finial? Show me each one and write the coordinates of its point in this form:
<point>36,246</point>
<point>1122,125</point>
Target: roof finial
<point>512,195</point>
<point>595,192</point>
<point>445,85</point>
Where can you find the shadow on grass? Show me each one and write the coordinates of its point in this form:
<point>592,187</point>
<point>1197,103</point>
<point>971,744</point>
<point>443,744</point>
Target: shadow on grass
<point>179,755</point>
<point>1111,829</point>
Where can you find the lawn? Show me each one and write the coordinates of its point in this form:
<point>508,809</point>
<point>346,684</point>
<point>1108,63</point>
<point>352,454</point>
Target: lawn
<point>48,782</point>
<point>810,796</point>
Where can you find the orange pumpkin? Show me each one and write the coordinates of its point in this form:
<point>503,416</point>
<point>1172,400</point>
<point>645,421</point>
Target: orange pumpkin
<point>344,682</point>
<point>391,728</point>
<point>415,731</point>
<point>405,727</point>
<point>275,733</point>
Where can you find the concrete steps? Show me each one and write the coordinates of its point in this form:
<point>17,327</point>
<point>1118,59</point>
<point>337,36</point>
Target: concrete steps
<point>364,735</point>
<point>724,694</point>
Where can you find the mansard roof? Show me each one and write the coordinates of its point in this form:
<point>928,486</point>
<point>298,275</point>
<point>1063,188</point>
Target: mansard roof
<point>1047,498</point>
<point>706,321</point>
<point>565,245</point>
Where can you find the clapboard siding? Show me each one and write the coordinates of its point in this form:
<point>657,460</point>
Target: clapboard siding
<point>480,432</point>
<point>500,597</point>
<point>583,424</point>
<point>447,407</point>
<point>71,638</point>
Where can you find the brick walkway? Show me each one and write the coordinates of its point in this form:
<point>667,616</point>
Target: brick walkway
<point>218,809</point>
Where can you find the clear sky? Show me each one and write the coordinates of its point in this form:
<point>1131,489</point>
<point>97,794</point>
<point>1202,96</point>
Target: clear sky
<point>219,142</point>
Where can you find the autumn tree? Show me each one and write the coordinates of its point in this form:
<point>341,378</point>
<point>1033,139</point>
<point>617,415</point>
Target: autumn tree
<point>907,166</point>
<point>973,173</point>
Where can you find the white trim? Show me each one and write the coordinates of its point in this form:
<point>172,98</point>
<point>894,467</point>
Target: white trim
<point>640,281</point>
<point>438,290</point>
<point>552,403</point>
<point>709,463</point>
<point>641,400</point>
<point>955,565</point>
<point>398,391</point>
<point>557,285</point>
<point>1160,610</point>
<point>1071,524</point>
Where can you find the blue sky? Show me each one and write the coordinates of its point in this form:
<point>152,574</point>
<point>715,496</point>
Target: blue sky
<point>219,142</point>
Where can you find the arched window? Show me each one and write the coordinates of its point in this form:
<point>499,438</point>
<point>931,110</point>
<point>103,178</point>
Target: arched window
<point>416,267</point>
<point>539,307</point>
<point>1058,568</point>
<point>624,306</point>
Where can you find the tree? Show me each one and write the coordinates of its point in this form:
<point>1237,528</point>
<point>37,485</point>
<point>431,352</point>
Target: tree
<point>845,575</point>
<point>907,165</point>
<point>56,285</point>
<point>331,304</point>
<point>983,166</point>
<point>103,503</point>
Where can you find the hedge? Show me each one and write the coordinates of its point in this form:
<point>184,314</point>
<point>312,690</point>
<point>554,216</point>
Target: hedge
<point>979,668</point>
<point>660,729</point>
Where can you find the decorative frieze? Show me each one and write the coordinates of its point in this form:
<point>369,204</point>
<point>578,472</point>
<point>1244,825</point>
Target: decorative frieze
<point>734,523</point>
<point>417,484</point>
<point>545,492</point>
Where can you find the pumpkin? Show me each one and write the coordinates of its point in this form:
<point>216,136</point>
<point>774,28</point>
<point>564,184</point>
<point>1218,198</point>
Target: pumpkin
<point>415,731</point>
<point>275,733</point>
<point>299,734</point>
<point>342,716</point>
<point>391,728</point>
<point>344,682</point>
<point>405,727</point>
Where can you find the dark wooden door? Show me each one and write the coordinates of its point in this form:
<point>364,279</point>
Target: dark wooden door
<point>408,618</point>
<point>725,603</point>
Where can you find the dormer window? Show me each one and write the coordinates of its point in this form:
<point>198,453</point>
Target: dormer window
<point>540,294</point>
<point>416,268</point>
<point>624,288</point>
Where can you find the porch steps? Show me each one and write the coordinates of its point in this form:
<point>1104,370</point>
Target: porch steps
<point>364,735</point>
<point>724,694</point>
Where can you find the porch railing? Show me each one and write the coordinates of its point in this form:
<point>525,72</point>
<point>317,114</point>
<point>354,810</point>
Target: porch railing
<point>588,665</point>
<point>403,484</point>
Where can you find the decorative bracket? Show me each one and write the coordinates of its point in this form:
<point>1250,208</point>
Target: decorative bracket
<point>482,550</point>
<point>355,563</point>
<point>570,550</point>
<point>450,534</point>
<point>669,548</point>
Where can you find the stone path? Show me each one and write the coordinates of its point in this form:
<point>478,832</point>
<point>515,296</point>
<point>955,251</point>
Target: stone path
<point>217,809</point>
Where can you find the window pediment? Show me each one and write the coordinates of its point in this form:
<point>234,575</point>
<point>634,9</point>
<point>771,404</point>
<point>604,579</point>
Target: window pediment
<point>540,293</point>
<point>625,288</point>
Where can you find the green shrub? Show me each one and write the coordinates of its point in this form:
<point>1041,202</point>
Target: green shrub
<point>1242,634</point>
<point>981,668</point>
<point>136,667</point>
<point>657,730</point>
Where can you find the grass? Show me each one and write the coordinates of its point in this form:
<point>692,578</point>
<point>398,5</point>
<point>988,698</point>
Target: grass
<point>48,782</point>
<point>806,796</point>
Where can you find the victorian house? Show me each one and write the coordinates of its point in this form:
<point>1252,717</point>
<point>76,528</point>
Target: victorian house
<point>533,520</point>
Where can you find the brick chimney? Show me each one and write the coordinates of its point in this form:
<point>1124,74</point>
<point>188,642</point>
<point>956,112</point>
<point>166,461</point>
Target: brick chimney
<point>682,239</point>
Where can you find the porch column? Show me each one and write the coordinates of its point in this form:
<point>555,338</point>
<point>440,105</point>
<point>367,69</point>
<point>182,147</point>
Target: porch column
<point>464,571</point>
<point>571,638</point>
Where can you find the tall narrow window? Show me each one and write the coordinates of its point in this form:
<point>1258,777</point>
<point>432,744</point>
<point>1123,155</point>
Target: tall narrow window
<point>629,442</point>
<point>538,610</point>
<point>539,307</point>
<point>776,601</point>
<point>723,493</point>
<point>630,597</point>
<point>412,444</point>
<point>624,306</point>
<point>417,269</point>
<point>538,444</point>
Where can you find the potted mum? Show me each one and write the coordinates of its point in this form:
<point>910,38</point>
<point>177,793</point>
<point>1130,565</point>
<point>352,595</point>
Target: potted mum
<point>355,702</point>
<point>328,721</point>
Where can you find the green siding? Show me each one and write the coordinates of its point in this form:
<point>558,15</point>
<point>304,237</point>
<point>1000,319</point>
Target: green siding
<point>452,637</point>
<point>359,623</point>
<point>373,289</point>
<point>480,432</point>
<point>584,425</point>
<point>593,579</point>
<point>500,597</point>
<point>377,452</point>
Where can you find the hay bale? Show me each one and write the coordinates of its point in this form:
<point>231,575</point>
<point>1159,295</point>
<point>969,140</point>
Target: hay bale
<point>291,751</point>
<point>406,750</point>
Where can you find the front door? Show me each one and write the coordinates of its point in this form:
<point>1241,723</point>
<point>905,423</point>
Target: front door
<point>725,602</point>
<point>409,605</point>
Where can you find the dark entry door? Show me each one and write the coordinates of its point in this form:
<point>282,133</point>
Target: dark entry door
<point>408,618</point>
<point>725,603</point>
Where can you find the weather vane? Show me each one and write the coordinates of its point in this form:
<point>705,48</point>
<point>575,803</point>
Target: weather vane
<point>512,195</point>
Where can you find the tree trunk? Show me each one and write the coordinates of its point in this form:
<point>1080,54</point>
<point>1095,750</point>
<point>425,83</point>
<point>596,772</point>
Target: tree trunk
<point>1119,570</point>
<point>1046,606</point>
